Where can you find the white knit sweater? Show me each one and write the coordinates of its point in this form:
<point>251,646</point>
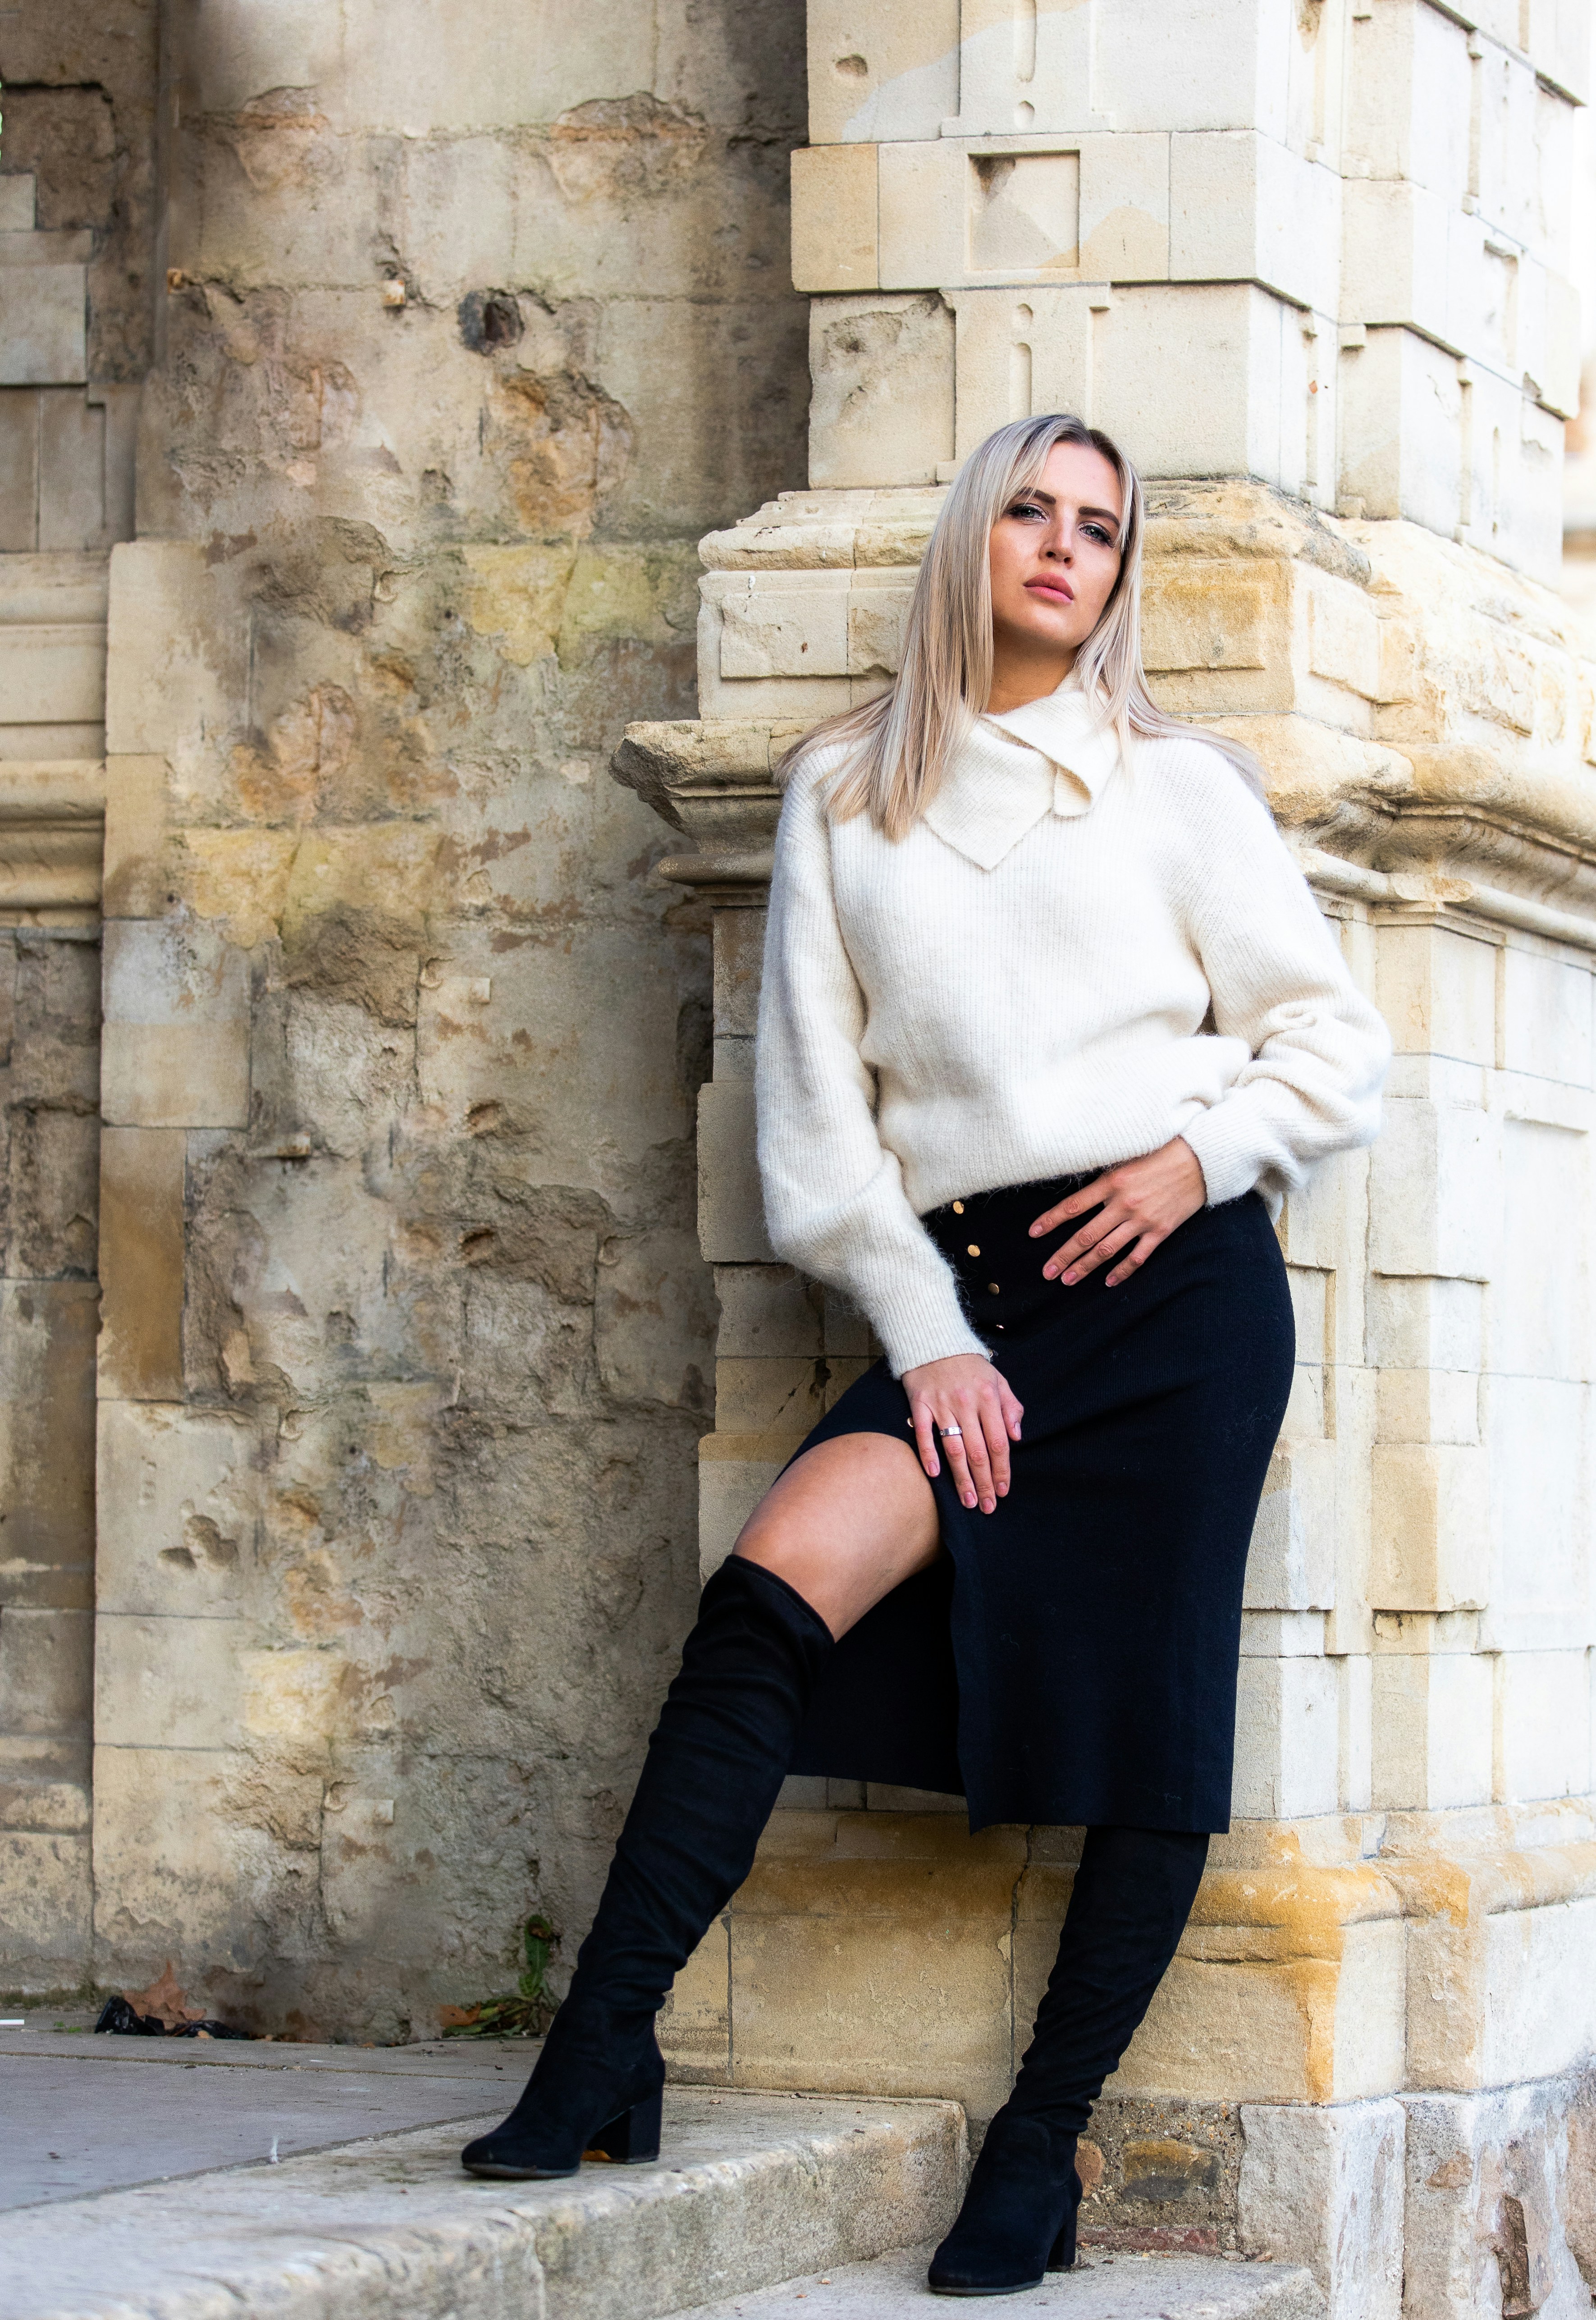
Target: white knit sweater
<point>1064,964</point>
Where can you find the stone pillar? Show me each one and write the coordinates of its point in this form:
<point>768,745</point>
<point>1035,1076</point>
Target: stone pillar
<point>66,476</point>
<point>1305,262</point>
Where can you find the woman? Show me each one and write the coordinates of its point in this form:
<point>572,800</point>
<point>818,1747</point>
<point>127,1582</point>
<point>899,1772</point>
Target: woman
<point>1050,1023</point>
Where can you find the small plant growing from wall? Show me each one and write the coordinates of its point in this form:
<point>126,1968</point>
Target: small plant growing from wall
<point>526,2014</point>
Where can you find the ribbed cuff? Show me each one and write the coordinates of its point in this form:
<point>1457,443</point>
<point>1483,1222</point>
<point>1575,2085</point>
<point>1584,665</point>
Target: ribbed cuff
<point>1226,1142</point>
<point>925,1322</point>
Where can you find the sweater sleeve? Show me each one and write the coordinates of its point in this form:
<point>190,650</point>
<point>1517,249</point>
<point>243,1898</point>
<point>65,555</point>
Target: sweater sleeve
<point>1317,1049</point>
<point>834,1198</point>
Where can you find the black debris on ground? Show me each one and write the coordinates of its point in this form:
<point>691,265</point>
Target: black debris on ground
<point>123,2021</point>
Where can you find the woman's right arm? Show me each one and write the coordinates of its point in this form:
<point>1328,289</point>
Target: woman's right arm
<point>834,1198</point>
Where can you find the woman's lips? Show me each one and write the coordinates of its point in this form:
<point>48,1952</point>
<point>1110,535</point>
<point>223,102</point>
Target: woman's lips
<point>1054,589</point>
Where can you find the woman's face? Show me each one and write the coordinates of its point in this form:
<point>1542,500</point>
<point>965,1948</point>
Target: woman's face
<point>1054,557</point>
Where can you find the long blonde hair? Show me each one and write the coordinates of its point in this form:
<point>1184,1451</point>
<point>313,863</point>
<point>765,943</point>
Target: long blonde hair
<point>901,744</point>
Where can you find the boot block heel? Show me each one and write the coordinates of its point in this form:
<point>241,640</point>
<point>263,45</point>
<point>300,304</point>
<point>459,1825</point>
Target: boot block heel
<point>1063,2258</point>
<point>631,2139</point>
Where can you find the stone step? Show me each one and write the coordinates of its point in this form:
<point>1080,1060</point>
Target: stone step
<point>751,2189</point>
<point>1100,2288</point>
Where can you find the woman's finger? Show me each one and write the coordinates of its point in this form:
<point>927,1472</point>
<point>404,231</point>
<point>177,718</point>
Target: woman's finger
<point>1137,1258</point>
<point>996,1437</point>
<point>1100,1252</point>
<point>1090,1196</point>
<point>1013,1408</point>
<point>980,1464</point>
<point>925,1438</point>
<point>958,1464</point>
<point>1091,1233</point>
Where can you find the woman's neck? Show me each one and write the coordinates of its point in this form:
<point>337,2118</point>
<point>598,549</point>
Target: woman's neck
<point>1018,676</point>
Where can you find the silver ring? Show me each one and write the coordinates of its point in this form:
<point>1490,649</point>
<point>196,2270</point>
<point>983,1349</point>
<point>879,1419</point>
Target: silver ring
<point>951,1432</point>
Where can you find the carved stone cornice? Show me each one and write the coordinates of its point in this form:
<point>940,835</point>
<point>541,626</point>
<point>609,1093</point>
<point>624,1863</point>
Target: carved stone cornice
<point>714,781</point>
<point>717,783</point>
<point>1423,713</point>
<point>53,837</point>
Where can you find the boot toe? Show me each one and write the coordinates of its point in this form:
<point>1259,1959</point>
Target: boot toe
<point>499,2157</point>
<point>973,2274</point>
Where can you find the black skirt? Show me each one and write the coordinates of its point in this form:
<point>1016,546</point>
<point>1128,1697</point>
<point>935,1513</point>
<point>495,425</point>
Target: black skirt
<point>1072,1658</point>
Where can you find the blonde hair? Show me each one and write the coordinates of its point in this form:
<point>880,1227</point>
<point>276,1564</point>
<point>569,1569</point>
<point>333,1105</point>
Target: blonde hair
<point>901,744</point>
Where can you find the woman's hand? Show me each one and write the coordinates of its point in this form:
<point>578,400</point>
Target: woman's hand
<point>967,1394</point>
<point>1139,1205</point>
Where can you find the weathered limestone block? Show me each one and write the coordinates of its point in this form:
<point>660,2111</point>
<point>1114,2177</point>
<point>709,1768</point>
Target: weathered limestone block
<point>141,1255</point>
<point>882,413</point>
<point>765,2189</point>
<point>47,1335</point>
<point>178,1527</point>
<point>168,1683</point>
<point>847,1975</point>
<point>48,1886</point>
<point>1288,1734</point>
<point>1499,1907</point>
<point>176,1012</point>
<point>1497,2204</point>
<point>1324,2187</point>
<point>52,658</point>
<point>42,309</point>
<point>1431,1709</point>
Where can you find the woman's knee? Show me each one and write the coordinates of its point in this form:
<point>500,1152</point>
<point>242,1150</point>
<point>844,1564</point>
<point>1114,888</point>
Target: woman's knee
<point>845,1523</point>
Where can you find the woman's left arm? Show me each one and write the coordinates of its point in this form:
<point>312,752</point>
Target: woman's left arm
<point>1318,1050</point>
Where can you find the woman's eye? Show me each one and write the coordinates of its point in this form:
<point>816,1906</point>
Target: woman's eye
<point>1096,532</point>
<point>1028,507</point>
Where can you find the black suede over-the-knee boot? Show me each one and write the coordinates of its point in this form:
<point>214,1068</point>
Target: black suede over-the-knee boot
<point>1133,1893</point>
<point>715,1763</point>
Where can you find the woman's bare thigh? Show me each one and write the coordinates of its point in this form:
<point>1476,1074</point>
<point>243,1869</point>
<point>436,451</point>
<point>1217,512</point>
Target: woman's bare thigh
<point>845,1524</point>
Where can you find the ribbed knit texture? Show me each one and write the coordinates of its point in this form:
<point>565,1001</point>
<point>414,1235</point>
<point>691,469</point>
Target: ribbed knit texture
<point>1020,989</point>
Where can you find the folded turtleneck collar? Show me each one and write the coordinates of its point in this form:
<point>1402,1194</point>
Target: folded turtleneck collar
<point>1052,756</point>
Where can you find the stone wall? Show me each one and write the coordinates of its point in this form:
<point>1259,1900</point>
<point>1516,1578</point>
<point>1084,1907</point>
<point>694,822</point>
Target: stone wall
<point>49,1006</point>
<point>406,1337</point>
<point>76,313</point>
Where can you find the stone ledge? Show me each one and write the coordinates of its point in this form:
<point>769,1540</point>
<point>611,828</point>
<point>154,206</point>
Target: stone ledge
<point>751,2190</point>
<point>1101,2287</point>
<point>1419,709</point>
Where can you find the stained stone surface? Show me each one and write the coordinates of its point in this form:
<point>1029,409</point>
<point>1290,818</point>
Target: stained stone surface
<point>1099,2287</point>
<point>62,2137</point>
<point>749,2190</point>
